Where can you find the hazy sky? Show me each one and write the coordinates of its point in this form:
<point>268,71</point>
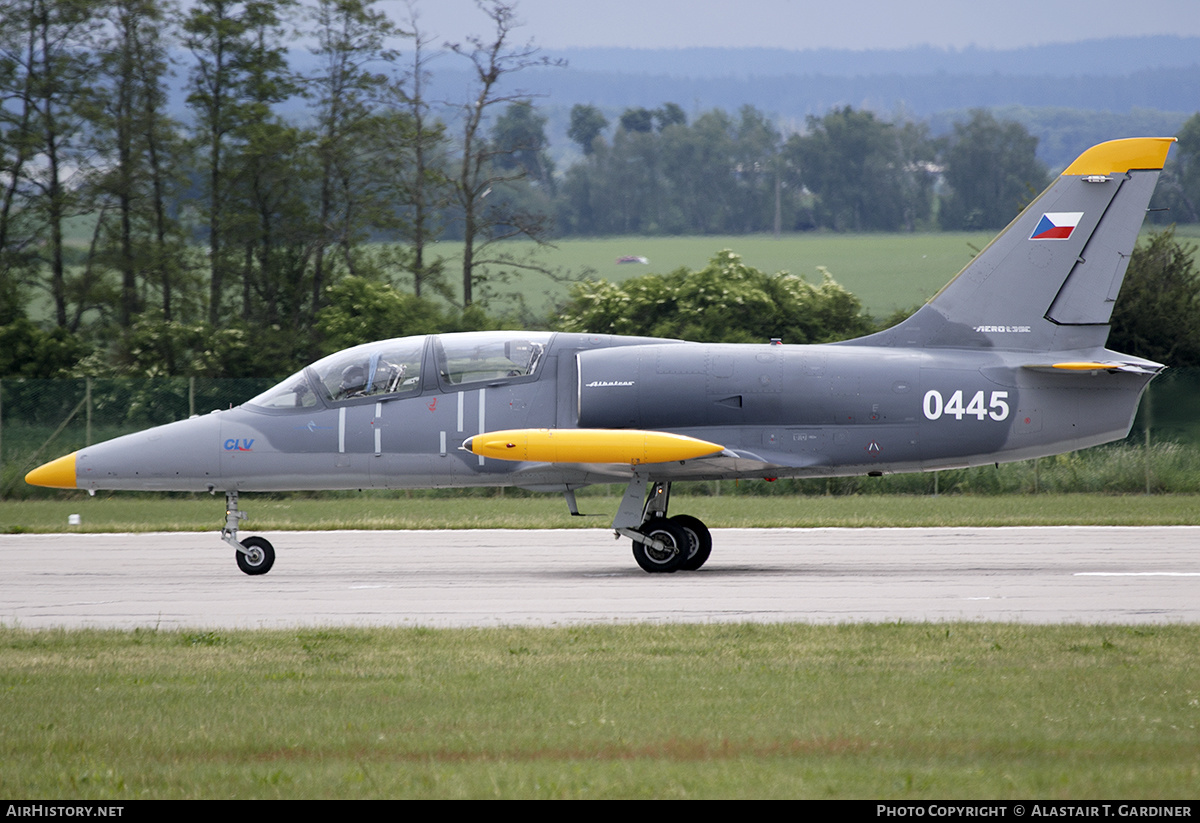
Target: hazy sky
<point>806,24</point>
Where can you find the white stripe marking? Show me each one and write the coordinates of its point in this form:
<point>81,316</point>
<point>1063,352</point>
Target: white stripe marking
<point>482,429</point>
<point>378,428</point>
<point>1137,574</point>
<point>460,410</point>
<point>342,430</point>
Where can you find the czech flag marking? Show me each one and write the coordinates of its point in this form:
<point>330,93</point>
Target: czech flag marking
<point>1056,225</point>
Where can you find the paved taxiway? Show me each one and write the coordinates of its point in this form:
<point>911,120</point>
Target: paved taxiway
<point>490,578</point>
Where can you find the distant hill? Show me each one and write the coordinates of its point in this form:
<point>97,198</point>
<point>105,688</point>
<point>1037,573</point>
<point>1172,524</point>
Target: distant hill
<point>1108,57</point>
<point>1069,95</point>
<point>1116,75</point>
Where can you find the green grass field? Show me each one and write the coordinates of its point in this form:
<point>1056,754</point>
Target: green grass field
<point>886,271</point>
<point>723,711</point>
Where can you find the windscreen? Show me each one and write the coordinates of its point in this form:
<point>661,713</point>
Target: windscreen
<point>386,368</point>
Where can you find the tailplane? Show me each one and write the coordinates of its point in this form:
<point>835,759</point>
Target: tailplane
<point>1049,280</point>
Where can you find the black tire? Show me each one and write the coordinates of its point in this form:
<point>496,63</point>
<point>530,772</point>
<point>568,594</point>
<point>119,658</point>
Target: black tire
<point>261,556</point>
<point>699,538</point>
<point>657,561</point>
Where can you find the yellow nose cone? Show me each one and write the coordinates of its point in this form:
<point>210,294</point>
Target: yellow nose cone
<point>57,474</point>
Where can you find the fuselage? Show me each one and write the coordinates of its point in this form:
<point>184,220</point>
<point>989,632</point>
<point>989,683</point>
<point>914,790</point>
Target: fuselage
<point>778,411</point>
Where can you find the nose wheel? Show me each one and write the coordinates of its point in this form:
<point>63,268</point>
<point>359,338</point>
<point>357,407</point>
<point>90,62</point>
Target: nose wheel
<point>254,555</point>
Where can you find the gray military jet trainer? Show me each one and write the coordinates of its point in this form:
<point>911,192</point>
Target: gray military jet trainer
<point>1006,363</point>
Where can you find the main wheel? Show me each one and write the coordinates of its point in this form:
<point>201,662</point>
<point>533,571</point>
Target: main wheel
<point>699,541</point>
<point>675,547</point>
<point>259,556</point>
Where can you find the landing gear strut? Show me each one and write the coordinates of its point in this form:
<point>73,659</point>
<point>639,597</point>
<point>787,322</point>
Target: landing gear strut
<point>255,555</point>
<point>660,543</point>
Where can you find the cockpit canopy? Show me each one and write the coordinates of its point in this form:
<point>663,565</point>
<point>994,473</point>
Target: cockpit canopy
<point>407,366</point>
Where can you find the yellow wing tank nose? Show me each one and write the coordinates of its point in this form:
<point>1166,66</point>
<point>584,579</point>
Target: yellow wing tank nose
<point>589,446</point>
<point>57,474</point>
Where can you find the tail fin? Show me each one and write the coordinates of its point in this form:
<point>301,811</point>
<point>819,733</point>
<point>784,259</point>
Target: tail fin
<point>1049,280</point>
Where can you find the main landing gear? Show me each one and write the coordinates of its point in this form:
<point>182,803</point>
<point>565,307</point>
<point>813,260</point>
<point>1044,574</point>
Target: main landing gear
<point>255,555</point>
<point>661,543</point>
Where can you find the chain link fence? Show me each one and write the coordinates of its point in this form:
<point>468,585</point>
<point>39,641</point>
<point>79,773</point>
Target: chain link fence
<point>44,419</point>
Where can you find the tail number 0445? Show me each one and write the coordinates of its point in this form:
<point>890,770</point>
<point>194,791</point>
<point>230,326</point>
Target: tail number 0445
<point>936,407</point>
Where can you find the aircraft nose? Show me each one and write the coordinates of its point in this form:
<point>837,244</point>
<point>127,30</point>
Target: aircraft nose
<point>57,474</point>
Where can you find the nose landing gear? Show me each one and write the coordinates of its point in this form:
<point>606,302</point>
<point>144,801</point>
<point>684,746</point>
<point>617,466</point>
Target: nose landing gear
<point>255,555</point>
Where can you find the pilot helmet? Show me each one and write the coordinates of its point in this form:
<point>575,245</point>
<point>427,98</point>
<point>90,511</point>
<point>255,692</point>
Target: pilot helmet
<point>354,378</point>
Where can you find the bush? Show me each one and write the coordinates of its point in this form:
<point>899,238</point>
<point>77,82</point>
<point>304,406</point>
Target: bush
<point>725,302</point>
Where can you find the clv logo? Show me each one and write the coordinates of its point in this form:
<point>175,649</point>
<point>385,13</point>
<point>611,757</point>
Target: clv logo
<point>235,445</point>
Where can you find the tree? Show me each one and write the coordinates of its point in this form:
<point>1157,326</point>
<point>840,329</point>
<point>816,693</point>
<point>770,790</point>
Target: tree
<point>716,174</point>
<point>351,38</point>
<point>272,176</point>
<point>18,234</point>
<point>28,351</point>
<point>853,163</point>
<point>669,114</point>
<point>757,172</point>
<point>1157,314</point>
<point>1177,198</point>
<point>698,167</point>
<point>133,130</point>
<point>519,140</point>
<point>47,68</point>
<point>587,124</point>
<point>359,309</point>
<point>992,170</point>
<point>213,32</point>
<point>240,71</point>
<point>639,120</point>
<point>492,60</point>
<point>272,198</point>
<point>413,164</point>
<point>1188,162</point>
<point>918,152</point>
<point>725,302</point>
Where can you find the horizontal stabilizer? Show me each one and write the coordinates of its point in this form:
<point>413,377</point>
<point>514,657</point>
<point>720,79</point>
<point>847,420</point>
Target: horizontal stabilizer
<point>589,446</point>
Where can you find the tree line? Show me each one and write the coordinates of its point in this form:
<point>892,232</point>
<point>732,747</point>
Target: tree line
<point>235,224</point>
<point>243,241</point>
<point>653,172</point>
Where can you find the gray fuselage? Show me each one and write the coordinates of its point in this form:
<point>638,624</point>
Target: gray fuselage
<point>779,411</point>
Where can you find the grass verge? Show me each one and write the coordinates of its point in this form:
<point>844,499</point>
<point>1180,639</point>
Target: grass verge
<point>877,711</point>
<point>138,513</point>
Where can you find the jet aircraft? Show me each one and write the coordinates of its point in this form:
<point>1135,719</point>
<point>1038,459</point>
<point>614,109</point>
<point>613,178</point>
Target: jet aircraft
<point>1006,362</point>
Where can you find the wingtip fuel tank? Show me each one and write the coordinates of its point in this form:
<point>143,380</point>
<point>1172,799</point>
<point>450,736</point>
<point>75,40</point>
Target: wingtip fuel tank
<point>631,447</point>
